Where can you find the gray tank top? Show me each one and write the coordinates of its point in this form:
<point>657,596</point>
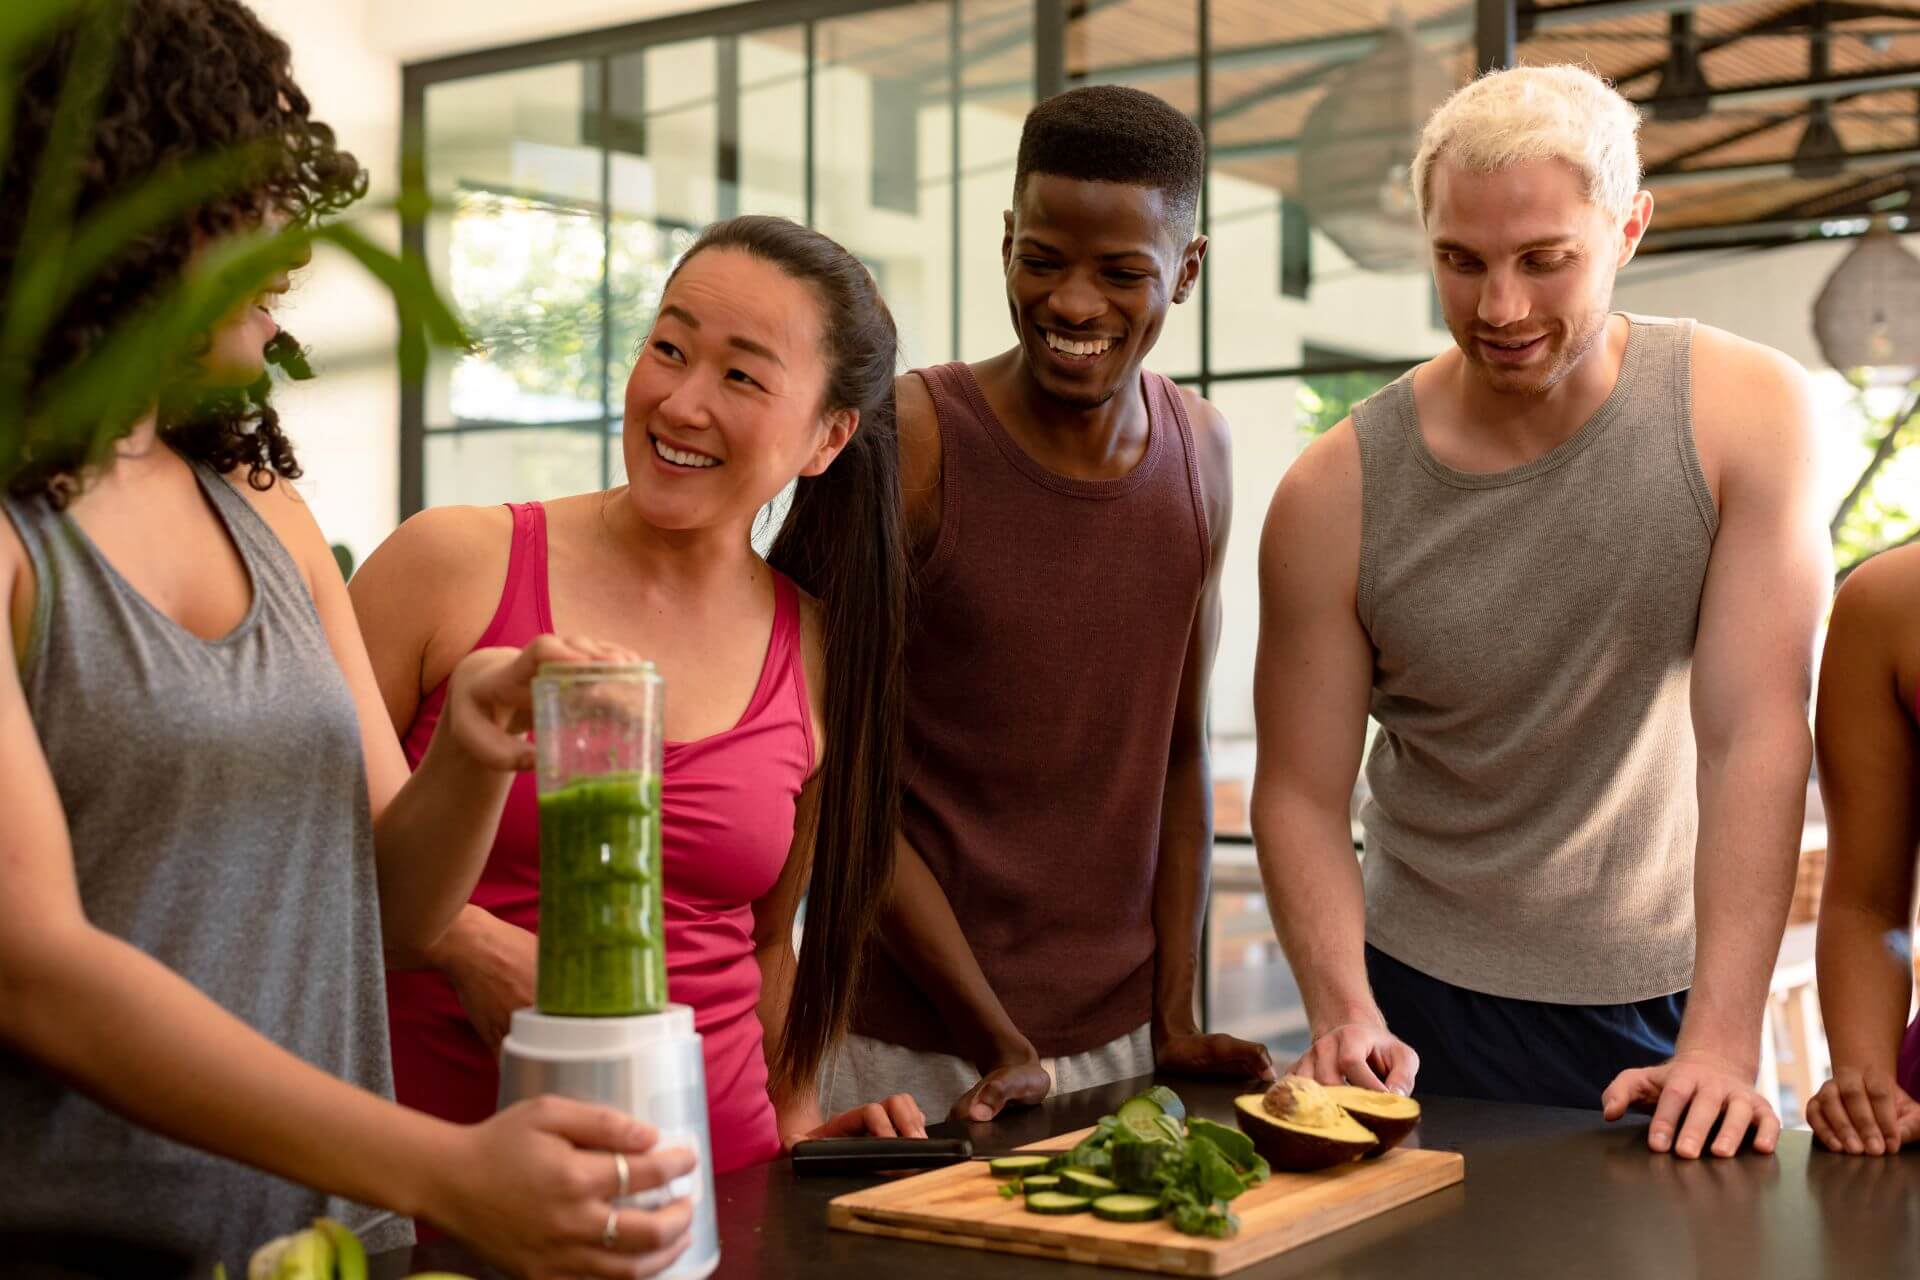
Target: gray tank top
<point>1531,827</point>
<point>217,800</point>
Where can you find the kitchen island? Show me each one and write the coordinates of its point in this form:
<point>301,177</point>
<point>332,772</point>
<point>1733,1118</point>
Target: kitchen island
<point>1549,1193</point>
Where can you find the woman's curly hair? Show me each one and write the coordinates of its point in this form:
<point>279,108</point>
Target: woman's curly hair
<point>190,78</point>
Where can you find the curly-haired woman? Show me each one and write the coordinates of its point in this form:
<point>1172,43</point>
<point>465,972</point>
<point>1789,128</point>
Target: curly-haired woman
<point>210,829</point>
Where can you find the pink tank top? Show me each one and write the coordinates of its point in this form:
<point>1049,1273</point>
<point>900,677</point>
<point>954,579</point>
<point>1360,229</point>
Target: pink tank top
<point>727,812</point>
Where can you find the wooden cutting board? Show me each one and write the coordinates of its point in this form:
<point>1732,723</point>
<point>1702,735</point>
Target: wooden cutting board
<point>961,1205</point>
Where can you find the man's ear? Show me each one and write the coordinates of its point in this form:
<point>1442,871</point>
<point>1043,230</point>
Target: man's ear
<point>841,424</point>
<point>1189,277</point>
<point>1639,217</point>
<point>1006,242</point>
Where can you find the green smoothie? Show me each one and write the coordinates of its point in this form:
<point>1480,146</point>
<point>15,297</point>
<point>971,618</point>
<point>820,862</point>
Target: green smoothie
<point>602,938</point>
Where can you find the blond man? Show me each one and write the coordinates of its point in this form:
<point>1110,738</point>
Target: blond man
<point>1573,567</point>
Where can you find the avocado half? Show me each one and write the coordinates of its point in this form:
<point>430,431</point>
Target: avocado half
<point>1391,1116</point>
<point>1297,1127</point>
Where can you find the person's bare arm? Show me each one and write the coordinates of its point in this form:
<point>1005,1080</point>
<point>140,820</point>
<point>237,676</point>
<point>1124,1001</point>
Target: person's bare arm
<point>84,1003</point>
<point>422,600</point>
<point>1868,756</point>
<point>1186,810</point>
<point>1766,586</point>
<point>917,926</point>
<point>432,827</point>
<point>1313,676</point>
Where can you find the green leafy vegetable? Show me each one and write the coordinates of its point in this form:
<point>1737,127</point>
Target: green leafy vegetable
<point>1195,1167</point>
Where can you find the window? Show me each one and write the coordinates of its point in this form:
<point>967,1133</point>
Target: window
<point>571,174</point>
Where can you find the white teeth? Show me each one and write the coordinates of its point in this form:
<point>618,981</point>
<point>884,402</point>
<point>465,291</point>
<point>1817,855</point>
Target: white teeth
<point>682,458</point>
<point>1067,346</point>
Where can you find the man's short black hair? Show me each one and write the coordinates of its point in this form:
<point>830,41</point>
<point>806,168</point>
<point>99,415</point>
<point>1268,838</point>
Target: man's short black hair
<point>1110,133</point>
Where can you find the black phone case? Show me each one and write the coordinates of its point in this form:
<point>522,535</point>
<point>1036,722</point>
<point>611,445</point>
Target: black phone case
<point>875,1156</point>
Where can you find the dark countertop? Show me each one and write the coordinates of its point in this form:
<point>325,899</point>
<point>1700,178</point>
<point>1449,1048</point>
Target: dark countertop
<point>1549,1193</point>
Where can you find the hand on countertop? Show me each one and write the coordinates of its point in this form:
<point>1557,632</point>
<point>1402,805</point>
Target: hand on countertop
<point>1018,1078</point>
<point>1864,1113</point>
<point>1216,1054</point>
<point>1687,1095</point>
<point>898,1116</point>
<point>1362,1053</point>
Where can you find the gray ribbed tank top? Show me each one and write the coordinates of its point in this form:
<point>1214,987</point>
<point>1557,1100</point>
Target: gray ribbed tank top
<point>217,800</point>
<point>1531,826</point>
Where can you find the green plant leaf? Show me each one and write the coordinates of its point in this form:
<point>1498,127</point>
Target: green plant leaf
<point>157,203</point>
<point>123,372</point>
<point>406,279</point>
<point>47,227</point>
<point>23,23</point>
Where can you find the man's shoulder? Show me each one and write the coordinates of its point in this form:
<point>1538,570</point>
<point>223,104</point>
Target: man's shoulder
<point>917,426</point>
<point>1212,437</point>
<point>1752,405</point>
<point>1319,494</point>
<point>1723,356</point>
<point>1210,429</point>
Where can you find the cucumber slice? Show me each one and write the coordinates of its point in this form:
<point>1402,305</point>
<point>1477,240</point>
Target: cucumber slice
<point>1081,1183</point>
<point>1040,1182</point>
<point>1141,1113</point>
<point>1168,1101</point>
<point>1054,1202</point>
<point>1127,1208</point>
<point>1134,1163</point>
<point>1017,1166</point>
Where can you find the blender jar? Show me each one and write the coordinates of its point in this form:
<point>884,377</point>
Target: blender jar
<point>597,742</point>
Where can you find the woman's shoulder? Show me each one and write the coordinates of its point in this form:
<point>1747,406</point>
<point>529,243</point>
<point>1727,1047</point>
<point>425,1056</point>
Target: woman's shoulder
<point>282,509</point>
<point>441,547</point>
<point>1883,592</point>
<point>1875,624</point>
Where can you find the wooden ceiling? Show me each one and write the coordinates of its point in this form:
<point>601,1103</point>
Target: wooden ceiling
<point>1273,60</point>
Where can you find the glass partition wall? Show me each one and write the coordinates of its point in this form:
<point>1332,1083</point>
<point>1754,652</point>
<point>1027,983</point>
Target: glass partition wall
<point>568,174</point>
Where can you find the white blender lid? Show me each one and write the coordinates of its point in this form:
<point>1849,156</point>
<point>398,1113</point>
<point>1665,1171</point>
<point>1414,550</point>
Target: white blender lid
<point>548,1034</point>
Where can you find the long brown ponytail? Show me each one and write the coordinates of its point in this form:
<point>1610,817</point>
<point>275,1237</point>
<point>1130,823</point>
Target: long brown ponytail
<point>842,541</point>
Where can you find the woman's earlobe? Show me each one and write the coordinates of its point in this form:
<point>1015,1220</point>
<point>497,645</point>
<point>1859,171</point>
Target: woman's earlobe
<point>841,426</point>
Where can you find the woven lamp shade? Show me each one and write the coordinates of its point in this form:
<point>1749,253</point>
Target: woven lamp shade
<point>1356,151</point>
<point>1868,312</point>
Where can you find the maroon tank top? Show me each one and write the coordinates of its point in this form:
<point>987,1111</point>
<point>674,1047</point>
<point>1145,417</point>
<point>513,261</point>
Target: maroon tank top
<point>1043,669</point>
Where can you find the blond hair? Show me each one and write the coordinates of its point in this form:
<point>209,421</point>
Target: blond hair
<point>1537,113</point>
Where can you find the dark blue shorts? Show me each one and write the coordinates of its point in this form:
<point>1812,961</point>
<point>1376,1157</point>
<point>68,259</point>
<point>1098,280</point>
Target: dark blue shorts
<point>1473,1045</point>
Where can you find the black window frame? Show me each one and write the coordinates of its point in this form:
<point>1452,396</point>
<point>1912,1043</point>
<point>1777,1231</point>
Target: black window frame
<point>1494,22</point>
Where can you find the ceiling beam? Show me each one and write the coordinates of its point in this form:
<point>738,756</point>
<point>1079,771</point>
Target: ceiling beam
<point>1756,235</point>
<point>1849,199</point>
<point>1671,163</point>
<point>1904,77</point>
<point>1299,82</point>
<point>1892,157</point>
<point>1791,20</point>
